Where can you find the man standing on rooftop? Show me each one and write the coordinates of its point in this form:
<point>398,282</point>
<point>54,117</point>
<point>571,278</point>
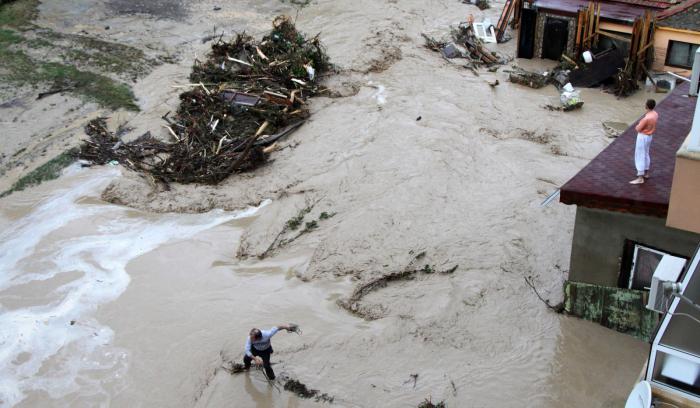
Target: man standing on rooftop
<point>645,131</point>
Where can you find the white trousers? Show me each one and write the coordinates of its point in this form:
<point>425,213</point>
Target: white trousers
<point>641,153</point>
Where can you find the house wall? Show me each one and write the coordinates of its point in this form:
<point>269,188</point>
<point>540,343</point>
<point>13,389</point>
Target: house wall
<point>599,237</point>
<point>661,38</point>
<point>616,27</point>
<point>684,206</point>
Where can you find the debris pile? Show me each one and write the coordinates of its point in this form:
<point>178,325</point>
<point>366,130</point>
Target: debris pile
<point>569,98</point>
<point>301,390</point>
<point>428,403</point>
<point>532,79</point>
<point>467,45</point>
<point>244,97</point>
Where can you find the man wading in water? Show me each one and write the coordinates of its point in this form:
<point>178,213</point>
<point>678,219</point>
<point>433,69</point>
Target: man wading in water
<point>258,347</point>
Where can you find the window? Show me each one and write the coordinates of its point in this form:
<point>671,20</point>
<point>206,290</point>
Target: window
<point>644,263</point>
<point>680,54</point>
<point>639,263</point>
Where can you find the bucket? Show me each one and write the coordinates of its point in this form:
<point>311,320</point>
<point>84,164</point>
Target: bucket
<point>588,57</point>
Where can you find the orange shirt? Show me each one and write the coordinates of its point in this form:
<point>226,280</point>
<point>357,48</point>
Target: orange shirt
<point>648,123</point>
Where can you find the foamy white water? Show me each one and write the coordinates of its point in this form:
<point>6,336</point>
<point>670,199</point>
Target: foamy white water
<point>51,283</point>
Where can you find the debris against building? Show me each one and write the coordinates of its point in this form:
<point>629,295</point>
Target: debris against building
<point>619,39</point>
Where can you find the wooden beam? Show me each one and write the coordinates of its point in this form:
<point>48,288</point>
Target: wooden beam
<point>611,35</point>
<point>646,47</point>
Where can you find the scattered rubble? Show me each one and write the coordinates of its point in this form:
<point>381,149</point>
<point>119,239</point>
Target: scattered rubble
<point>532,79</point>
<point>466,44</point>
<point>244,97</point>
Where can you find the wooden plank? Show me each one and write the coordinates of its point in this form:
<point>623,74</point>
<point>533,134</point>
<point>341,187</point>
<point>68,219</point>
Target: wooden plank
<point>611,35</point>
<point>597,24</point>
<point>646,47</point>
<point>589,27</point>
<point>578,32</point>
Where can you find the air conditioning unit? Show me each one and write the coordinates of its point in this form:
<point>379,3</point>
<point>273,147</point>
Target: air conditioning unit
<point>668,271</point>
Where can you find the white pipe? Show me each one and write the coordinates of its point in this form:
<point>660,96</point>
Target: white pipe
<point>681,77</point>
<point>694,142</point>
<point>696,74</point>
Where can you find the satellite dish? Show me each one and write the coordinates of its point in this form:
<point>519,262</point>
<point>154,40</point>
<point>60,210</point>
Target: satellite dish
<point>640,397</point>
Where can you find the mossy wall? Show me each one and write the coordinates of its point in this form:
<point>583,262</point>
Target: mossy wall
<point>615,308</point>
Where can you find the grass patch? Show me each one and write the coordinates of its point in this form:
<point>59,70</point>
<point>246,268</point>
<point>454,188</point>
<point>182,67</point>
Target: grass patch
<point>18,13</point>
<point>9,37</point>
<point>93,87</point>
<point>76,63</point>
<point>47,171</point>
<point>21,69</point>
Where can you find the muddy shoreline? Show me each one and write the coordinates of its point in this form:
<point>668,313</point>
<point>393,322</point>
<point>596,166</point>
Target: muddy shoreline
<point>463,185</point>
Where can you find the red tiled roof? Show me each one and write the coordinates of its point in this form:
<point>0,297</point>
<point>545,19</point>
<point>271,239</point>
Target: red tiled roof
<point>658,4</point>
<point>604,182</point>
<point>620,10</point>
<point>679,7</point>
<point>608,10</point>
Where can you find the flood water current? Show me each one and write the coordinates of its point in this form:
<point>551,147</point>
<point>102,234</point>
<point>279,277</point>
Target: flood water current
<point>104,305</point>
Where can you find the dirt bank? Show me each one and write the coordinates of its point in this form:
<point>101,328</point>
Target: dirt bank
<point>463,184</point>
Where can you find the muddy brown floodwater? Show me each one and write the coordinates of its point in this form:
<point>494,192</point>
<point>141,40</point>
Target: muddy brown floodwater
<point>114,292</point>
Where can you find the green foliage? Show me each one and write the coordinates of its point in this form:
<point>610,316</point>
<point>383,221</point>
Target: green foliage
<point>89,54</point>
<point>93,87</point>
<point>296,221</point>
<point>9,37</point>
<point>48,171</point>
<point>324,215</point>
<point>20,69</point>
<point>310,225</point>
<point>18,14</point>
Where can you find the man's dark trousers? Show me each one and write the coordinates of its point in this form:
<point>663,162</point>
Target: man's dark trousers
<point>265,355</point>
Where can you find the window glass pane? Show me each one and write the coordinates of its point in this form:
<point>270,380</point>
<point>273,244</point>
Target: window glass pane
<point>681,54</point>
<point>644,266</point>
<point>677,372</point>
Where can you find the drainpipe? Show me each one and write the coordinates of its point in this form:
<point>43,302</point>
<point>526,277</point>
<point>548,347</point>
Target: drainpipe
<point>694,142</point>
<point>695,77</point>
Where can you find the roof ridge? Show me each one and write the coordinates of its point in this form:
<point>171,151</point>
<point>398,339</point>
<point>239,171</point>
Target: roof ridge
<point>672,11</point>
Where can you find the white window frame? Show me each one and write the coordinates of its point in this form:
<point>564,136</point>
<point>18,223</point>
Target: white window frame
<point>634,260</point>
<point>656,346</point>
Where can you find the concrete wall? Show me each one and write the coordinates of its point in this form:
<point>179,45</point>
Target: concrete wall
<point>684,208</point>
<point>599,237</point>
<point>661,37</point>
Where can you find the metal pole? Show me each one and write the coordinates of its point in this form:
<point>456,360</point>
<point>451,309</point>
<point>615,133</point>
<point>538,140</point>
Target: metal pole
<point>694,142</point>
<point>695,77</point>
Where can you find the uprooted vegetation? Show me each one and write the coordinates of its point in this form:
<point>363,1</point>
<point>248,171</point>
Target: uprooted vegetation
<point>295,227</point>
<point>353,303</point>
<point>289,384</point>
<point>428,403</point>
<point>301,390</point>
<point>249,94</point>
